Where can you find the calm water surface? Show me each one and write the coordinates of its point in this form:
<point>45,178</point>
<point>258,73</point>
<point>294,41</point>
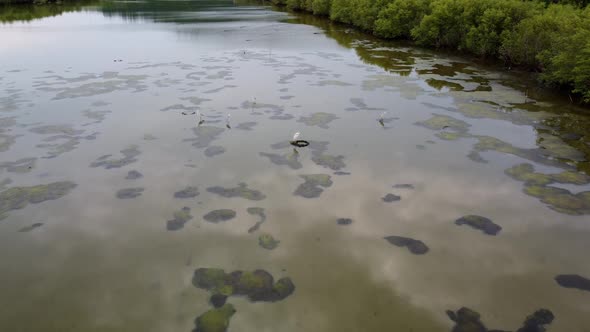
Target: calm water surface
<point>99,90</point>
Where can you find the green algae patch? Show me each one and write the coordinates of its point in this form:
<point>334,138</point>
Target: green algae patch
<point>257,286</point>
<point>554,146</point>
<point>217,300</point>
<point>442,122</point>
<point>391,198</point>
<point>481,223</point>
<point>487,143</point>
<point>334,163</point>
<point>526,173</point>
<point>468,320</point>
<point>561,200</point>
<point>319,119</point>
<point>221,215</point>
<point>450,136</point>
<point>215,320</point>
<point>571,177</point>
<point>133,175</point>
<point>311,187</point>
<point>558,199</point>
<point>128,193</point>
<point>128,153</point>
<point>476,157</point>
<point>343,221</point>
<point>187,192</point>
<point>241,190</point>
<point>256,211</point>
<point>23,165</point>
<point>267,241</point>
<point>283,288</point>
<point>573,281</point>
<point>19,197</point>
<point>551,151</point>
<point>209,278</point>
<point>416,247</point>
<point>180,218</point>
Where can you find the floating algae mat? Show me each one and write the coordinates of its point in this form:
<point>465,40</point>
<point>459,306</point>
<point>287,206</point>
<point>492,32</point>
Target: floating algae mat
<point>241,190</point>
<point>168,189</point>
<point>257,286</point>
<point>16,198</point>
<point>267,241</point>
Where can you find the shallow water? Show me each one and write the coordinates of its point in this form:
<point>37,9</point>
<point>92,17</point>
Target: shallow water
<point>96,92</point>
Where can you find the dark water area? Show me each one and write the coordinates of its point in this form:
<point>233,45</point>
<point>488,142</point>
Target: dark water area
<point>148,181</point>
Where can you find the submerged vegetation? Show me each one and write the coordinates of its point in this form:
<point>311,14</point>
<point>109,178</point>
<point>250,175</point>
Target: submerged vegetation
<point>215,320</point>
<point>481,223</point>
<point>267,241</point>
<point>467,320</point>
<point>181,217</point>
<point>550,38</point>
<point>257,286</point>
<point>416,247</point>
<point>16,198</point>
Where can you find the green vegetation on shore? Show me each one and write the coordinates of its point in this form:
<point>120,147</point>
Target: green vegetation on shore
<point>27,10</point>
<point>548,37</point>
<point>37,2</point>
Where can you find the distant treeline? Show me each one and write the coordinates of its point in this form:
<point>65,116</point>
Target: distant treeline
<point>27,11</point>
<point>549,37</point>
<point>7,2</point>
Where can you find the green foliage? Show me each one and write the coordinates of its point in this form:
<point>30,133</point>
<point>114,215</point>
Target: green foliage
<point>295,4</point>
<point>535,39</point>
<point>360,13</point>
<point>341,11</point>
<point>567,61</point>
<point>548,36</point>
<point>486,33</point>
<point>443,26</point>
<point>321,7</point>
<point>27,10</point>
<point>399,17</point>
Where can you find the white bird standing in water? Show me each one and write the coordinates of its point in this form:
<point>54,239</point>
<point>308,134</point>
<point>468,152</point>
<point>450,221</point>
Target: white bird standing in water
<point>227,121</point>
<point>294,142</point>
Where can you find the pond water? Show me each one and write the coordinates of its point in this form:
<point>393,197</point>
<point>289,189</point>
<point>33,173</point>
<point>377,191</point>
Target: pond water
<point>141,142</point>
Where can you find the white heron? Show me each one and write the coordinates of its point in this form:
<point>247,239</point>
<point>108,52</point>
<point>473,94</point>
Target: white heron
<point>227,121</point>
<point>296,136</point>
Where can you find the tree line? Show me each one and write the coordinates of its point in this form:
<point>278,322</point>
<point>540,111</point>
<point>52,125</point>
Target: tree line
<point>550,37</point>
